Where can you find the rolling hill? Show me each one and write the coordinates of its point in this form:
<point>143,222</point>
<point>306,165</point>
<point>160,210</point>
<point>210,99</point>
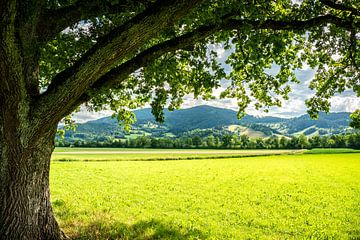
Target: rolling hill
<point>205,120</point>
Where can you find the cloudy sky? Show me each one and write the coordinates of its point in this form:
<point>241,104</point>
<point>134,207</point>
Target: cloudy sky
<point>295,106</point>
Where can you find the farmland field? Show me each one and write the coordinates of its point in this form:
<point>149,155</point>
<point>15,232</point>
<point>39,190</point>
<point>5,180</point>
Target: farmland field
<point>120,154</point>
<point>299,196</point>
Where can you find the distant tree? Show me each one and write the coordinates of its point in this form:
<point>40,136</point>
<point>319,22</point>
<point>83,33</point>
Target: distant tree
<point>355,117</point>
<point>331,143</point>
<point>227,140</point>
<point>154,143</point>
<point>315,141</point>
<point>354,141</point>
<point>210,141</point>
<point>276,143</point>
<point>339,141</point>
<point>292,143</point>
<point>217,141</point>
<point>283,142</point>
<point>260,143</point>
<point>196,141</point>
<point>302,142</point>
<point>268,143</point>
<point>326,142</point>
<point>143,141</point>
<point>178,143</point>
<point>244,141</point>
<point>188,142</point>
<point>132,143</point>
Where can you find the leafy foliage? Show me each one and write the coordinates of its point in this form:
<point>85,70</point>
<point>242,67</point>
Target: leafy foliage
<point>355,116</point>
<point>258,35</point>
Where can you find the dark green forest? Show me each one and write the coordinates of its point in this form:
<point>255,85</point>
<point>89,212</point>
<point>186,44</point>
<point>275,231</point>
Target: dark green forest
<point>225,141</point>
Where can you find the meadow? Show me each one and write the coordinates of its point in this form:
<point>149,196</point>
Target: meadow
<point>290,196</point>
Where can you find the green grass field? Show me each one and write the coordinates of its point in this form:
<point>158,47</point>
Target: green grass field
<point>270,197</point>
<point>332,150</point>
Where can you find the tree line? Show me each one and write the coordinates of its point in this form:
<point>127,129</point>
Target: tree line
<point>231,141</point>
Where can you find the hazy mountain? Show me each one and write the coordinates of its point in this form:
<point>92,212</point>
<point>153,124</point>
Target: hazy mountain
<point>205,120</point>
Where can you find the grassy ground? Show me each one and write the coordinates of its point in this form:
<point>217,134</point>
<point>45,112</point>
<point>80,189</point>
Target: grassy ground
<point>331,150</point>
<point>273,197</point>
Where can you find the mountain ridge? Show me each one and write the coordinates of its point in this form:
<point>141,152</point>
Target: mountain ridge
<point>204,118</point>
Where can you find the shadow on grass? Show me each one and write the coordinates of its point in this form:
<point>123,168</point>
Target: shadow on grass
<point>146,230</point>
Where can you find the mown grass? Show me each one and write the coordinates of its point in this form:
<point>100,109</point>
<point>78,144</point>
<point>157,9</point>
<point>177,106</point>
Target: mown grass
<point>274,197</point>
<point>332,150</point>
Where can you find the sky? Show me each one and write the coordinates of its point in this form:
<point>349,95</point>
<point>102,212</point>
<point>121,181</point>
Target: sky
<point>295,106</point>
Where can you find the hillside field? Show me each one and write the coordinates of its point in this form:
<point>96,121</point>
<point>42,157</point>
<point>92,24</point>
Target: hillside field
<point>299,196</point>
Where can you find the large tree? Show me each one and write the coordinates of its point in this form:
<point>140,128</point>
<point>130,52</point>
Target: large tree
<point>58,54</point>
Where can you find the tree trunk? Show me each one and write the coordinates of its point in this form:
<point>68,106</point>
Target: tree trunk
<point>25,151</point>
<point>25,207</point>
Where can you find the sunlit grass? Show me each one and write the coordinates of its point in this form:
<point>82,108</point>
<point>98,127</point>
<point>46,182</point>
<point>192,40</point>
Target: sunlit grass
<point>275,197</point>
<point>332,150</point>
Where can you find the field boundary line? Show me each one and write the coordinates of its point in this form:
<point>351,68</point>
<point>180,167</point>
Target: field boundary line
<point>178,158</point>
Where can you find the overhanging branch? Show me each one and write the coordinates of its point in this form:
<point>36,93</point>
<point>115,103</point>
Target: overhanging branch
<point>146,57</point>
<point>120,73</point>
<point>68,86</point>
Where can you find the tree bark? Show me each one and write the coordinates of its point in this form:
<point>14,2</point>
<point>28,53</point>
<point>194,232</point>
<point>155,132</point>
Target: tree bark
<point>25,207</point>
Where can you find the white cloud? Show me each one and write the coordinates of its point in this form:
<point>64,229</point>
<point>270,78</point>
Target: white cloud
<point>219,49</point>
<point>84,115</point>
<point>220,52</point>
<point>189,101</point>
<point>344,103</point>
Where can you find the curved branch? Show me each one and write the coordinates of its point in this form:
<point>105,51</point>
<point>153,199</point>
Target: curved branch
<point>143,59</point>
<point>118,74</point>
<point>186,41</point>
<point>69,85</point>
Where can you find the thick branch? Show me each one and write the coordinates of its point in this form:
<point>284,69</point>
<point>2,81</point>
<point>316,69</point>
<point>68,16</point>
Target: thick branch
<point>70,84</point>
<point>116,75</point>
<point>146,57</point>
<point>341,7</point>
<point>120,73</point>
<point>53,21</point>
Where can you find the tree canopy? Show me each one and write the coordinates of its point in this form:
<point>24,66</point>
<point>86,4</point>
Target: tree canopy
<point>121,54</point>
